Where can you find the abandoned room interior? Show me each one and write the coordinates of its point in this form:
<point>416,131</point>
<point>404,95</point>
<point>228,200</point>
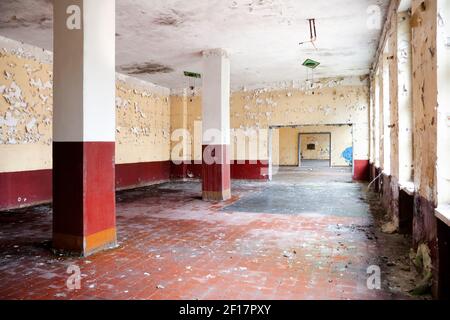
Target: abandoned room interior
<point>217,150</point>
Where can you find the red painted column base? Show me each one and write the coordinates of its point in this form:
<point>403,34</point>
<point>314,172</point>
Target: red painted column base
<point>216,181</point>
<point>84,219</point>
<point>361,170</point>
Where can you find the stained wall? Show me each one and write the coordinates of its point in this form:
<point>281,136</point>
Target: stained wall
<point>315,146</point>
<point>26,110</point>
<point>341,144</point>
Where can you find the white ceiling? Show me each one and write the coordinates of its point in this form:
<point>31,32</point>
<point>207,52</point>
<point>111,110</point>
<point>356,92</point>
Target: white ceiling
<point>158,39</point>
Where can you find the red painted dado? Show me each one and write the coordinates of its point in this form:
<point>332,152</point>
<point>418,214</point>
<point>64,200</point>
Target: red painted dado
<point>361,170</point>
<point>25,188</point>
<point>83,188</point>
<point>242,170</point>
<point>135,175</point>
<point>250,170</point>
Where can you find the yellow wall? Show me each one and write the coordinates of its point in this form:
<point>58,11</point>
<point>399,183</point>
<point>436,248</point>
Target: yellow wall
<point>321,143</point>
<point>424,98</point>
<point>142,110</point>
<point>325,102</point>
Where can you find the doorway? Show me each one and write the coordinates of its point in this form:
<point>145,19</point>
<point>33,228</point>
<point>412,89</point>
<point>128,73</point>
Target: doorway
<point>314,150</point>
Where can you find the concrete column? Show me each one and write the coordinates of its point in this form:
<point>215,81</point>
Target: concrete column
<point>216,184</point>
<point>84,125</point>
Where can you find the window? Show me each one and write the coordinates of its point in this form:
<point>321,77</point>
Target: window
<point>443,137</point>
<point>386,113</point>
<point>405,114</point>
<point>311,146</point>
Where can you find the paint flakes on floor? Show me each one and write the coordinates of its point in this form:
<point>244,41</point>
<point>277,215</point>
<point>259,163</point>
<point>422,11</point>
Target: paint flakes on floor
<point>172,245</point>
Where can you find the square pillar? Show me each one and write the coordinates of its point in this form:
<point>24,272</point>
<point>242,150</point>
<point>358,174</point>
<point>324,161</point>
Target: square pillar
<point>84,219</point>
<point>216,185</point>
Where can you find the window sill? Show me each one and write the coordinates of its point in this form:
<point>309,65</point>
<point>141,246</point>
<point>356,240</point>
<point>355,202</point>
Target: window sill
<point>408,187</point>
<point>443,213</point>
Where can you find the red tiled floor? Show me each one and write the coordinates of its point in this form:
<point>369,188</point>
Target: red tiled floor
<point>172,245</point>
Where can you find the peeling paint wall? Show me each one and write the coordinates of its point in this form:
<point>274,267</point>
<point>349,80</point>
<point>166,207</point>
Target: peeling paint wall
<point>323,102</point>
<point>143,113</point>
<point>418,107</point>
<point>320,146</point>
<point>143,122</point>
<point>391,118</point>
<point>392,126</point>
<point>375,116</point>
<point>25,111</point>
<point>422,24</point>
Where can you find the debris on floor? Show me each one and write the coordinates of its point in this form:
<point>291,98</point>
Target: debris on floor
<point>175,246</point>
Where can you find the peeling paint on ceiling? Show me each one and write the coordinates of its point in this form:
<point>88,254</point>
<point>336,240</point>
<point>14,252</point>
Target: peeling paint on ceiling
<point>262,36</point>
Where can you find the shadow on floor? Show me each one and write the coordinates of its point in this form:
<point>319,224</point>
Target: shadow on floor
<point>172,245</point>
